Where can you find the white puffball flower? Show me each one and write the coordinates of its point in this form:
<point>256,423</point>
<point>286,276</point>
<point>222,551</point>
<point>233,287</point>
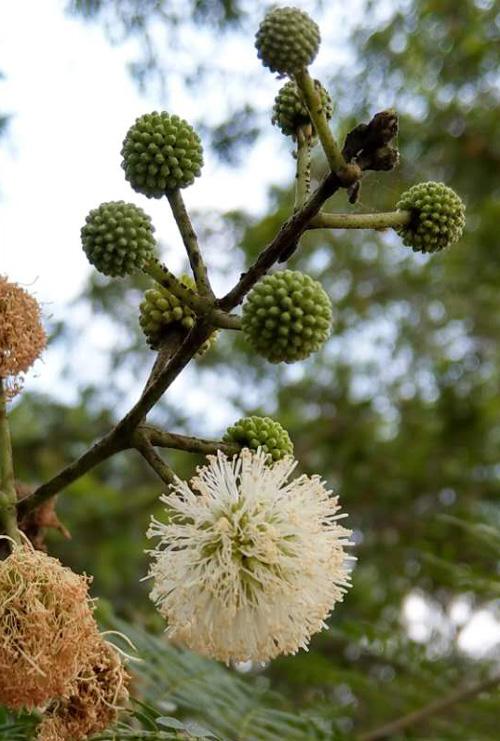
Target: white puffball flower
<point>251,565</point>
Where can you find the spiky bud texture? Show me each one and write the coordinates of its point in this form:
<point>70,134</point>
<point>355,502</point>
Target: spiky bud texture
<point>22,336</point>
<point>118,238</point>
<point>290,111</point>
<point>161,153</point>
<point>438,217</point>
<point>46,623</point>
<point>287,316</point>
<point>261,432</point>
<point>161,311</point>
<point>287,40</point>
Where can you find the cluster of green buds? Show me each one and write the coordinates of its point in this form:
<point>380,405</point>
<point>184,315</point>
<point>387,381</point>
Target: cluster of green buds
<point>437,217</point>
<point>118,238</point>
<point>161,311</point>
<point>161,153</point>
<point>287,40</point>
<point>287,315</point>
<point>261,432</point>
<point>290,112</point>
<point>255,527</point>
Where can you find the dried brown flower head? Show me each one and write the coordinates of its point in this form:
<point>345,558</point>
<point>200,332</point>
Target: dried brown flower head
<point>22,336</point>
<point>46,623</point>
<point>93,700</point>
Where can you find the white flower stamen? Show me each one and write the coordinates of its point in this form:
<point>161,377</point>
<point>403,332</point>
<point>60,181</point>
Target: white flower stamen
<point>251,566</point>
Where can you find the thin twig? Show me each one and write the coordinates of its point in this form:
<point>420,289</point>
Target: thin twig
<point>162,275</point>
<point>102,450</point>
<point>119,438</point>
<point>316,111</point>
<point>388,220</point>
<point>163,439</point>
<point>142,444</point>
<point>202,307</point>
<point>8,494</point>
<point>433,708</point>
<point>302,180</point>
<point>167,350</point>
<point>289,233</point>
<point>210,315</point>
<point>303,173</point>
<point>190,240</point>
<point>190,346</point>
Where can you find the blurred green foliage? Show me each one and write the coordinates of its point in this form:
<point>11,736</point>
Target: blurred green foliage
<point>400,413</point>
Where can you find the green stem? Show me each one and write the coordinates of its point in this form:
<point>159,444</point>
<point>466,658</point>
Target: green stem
<point>190,240</point>
<point>391,219</point>
<point>203,307</point>
<point>223,320</point>
<point>163,276</point>
<point>8,494</point>
<point>315,108</point>
<point>303,175</point>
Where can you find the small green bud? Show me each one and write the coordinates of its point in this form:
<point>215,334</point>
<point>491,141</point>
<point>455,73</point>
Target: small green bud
<point>290,111</point>
<point>287,40</point>
<point>161,153</point>
<point>438,217</point>
<point>287,316</point>
<point>118,238</point>
<point>263,432</point>
<point>161,311</point>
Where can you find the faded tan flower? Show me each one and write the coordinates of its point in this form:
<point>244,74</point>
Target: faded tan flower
<point>92,702</point>
<point>22,337</point>
<point>46,622</point>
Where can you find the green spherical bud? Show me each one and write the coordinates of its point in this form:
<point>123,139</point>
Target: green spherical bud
<point>161,311</point>
<point>161,153</point>
<point>287,40</point>
<point>287,316</point>
<point>290,111</point>
<point>438,217</point>
<point>261,432</point>
<point>118,238</point>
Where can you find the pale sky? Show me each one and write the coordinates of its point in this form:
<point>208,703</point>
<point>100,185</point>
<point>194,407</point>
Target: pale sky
<point>72,101</point>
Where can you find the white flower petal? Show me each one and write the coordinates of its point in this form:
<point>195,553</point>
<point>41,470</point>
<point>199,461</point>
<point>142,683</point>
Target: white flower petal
<point>252,565</point>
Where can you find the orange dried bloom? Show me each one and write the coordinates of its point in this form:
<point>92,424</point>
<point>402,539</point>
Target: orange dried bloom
<point>46,623</point>
<point>93,700</point>
<point>22,336</point>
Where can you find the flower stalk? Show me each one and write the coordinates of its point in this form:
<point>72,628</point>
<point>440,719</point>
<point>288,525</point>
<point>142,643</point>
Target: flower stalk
<point>162,439</point>
<point>201,306</point>
<point>303,174</point>
<point>8,495</point>
<point>315,108</point>
<point>389,220</point>
<point>190,240</point>
<point>143,445</point>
